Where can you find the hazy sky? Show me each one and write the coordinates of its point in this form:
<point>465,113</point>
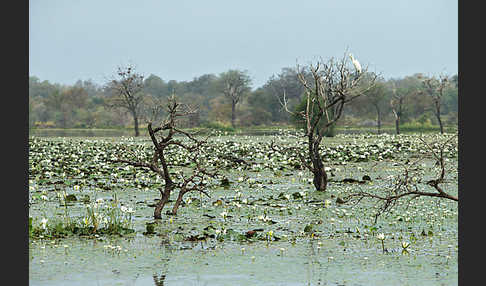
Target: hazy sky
<point>86,39</point>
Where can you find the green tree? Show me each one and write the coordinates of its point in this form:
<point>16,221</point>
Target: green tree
<point>259,108</point>
<point>155,86</point>
<point>62,106</point>
<point>376,96</point>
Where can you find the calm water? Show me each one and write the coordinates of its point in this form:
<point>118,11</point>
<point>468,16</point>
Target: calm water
<point>339,254</point>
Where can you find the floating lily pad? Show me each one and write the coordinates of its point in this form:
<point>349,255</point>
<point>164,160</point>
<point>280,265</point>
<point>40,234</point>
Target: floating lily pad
<point>71,198</point>
<point>308,228</point>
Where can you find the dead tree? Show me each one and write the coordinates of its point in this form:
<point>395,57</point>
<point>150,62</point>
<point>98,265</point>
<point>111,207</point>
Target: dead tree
<point>396,104</point>
<point>435,89</point>
<point>126,93</point>
<point>410,183</point>
<point>153,109</point>
<point>195,181</point>
<point>234,85</point>
<point>331,85</point>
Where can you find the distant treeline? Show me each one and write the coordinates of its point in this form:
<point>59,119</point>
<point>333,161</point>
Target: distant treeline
<point>84,104</point>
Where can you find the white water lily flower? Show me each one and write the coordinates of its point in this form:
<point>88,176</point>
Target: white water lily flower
<point>327,203</point>
<point>381,236</point>
<point>44,223</point>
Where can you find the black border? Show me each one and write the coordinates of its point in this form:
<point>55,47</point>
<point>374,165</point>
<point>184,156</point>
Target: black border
<point>15,46</point>
<point>471,145</point>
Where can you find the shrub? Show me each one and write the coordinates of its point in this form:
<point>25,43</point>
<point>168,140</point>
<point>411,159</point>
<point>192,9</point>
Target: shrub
<point>215,125</point>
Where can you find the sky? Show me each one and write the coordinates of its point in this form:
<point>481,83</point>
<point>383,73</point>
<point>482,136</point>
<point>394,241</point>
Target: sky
<point>71,40</point>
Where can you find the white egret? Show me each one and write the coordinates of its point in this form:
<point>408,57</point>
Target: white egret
<point>356,64</point>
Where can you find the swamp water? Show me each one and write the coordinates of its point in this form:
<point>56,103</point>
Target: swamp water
<point>340,247</point>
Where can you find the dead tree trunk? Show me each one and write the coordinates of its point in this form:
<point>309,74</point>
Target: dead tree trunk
<point>233,113</point>
<point>378,119</point>
<point>320,175</point>
<point>397,125</point>
<point>396,105</point>
<point>164,198</point>
<point>437,115</point>
<point>135,120</point>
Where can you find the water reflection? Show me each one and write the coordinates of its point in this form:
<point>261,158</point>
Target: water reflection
<point>315,267</point>
<point>165,244</point>
<point>159,281</point>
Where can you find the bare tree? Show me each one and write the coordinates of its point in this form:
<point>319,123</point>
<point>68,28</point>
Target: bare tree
<point>376,96</point>
<point>332,85</point>
<point>234,84</point>
<point>195,181</point>
<point>126,92</point>
<point>396,104</point>
<point>411,183</point>
<point>435,89</point>
<point>152,108</point>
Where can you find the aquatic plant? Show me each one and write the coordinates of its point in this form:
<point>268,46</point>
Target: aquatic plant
<point>381,237</point>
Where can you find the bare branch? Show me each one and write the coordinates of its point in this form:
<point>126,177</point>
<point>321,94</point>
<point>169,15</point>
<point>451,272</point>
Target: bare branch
<point>408,186</point>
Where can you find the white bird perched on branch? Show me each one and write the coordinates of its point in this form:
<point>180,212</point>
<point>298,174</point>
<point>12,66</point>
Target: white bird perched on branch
<point>356,64</point>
